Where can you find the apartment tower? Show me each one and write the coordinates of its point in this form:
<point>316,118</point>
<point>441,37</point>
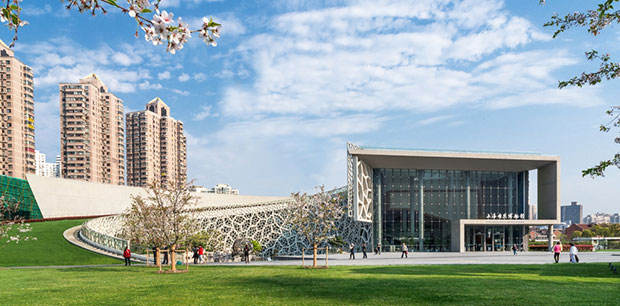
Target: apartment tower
<point>156,146</point>
<point>92,132</point>
<point>17,156</point>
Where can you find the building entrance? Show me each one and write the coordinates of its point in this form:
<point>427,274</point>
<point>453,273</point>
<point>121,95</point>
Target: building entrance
<point>481,238</point>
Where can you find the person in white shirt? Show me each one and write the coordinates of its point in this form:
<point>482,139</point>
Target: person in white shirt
<point>573,253</point>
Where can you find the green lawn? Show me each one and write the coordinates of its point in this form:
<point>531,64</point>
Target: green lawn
<point>552,284</point>
<point>50,248</point>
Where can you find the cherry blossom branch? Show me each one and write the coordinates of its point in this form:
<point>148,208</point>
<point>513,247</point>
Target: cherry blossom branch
<point>160,28</point>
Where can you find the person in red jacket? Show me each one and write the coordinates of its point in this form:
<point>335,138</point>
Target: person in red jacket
<point>201,253</point>
<point>127,256</point>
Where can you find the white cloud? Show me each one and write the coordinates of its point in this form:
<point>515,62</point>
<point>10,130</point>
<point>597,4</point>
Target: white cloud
<point>184,77</point>
<point>434,119</point>
<point>392,55</point>
<point>163,75</point>
<point>205,111</point>
<point>147,85</point>
<point>36,10</point>
<point>245,153</point>
<point>122,59</point>
<point>199,77</point>
<point>180,92</point>
<point>63,60</point>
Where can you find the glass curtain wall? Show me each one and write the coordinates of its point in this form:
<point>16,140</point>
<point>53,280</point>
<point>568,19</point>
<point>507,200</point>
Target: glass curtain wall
<point>420,207</point>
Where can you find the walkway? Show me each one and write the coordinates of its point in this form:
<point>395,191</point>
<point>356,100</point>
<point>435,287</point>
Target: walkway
<point>394,258</point>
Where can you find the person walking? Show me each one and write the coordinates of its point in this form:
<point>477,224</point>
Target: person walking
<point>378,249</point>
<point>127,256</point>
<point>573,253</point>
<point>246,253</point>
<point>557,249</point>
<point>201,254</point>
<point>352,251</point>
<point>405,251</point>
<point>195,255</point>
<point>514,249</point>
<point>364,251</point>
<point>165,256</point>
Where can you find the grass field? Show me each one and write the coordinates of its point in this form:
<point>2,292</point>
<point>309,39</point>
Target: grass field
<point>50,248</point>
<point>583,284</point>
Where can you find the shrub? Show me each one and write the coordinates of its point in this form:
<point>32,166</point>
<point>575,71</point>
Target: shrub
<point>256,246</point>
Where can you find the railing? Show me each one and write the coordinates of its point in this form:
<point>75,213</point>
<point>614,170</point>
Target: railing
<point>103,239</point>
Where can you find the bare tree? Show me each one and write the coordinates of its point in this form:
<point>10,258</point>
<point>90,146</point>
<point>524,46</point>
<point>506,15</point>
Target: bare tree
<point>165,217</point>
<point>314,216</point>
<point>13,228</point>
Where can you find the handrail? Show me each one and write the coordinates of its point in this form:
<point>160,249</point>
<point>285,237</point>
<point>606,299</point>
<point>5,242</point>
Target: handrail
<point>103,239</point>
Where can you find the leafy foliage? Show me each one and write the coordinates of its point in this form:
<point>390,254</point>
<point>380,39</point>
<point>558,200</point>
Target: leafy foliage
<point>256,247</point>
<point>595,21</point>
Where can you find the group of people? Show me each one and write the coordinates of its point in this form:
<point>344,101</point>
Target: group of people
<point>198,254</point>
<point>557,250</point>
<point>404,248</point>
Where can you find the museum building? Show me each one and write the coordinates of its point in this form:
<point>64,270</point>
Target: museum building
<point>455,201</point>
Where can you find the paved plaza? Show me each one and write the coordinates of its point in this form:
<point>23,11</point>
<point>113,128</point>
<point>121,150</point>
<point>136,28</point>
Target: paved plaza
<point>446,258</point>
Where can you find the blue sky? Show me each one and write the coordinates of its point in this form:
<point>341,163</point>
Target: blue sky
<point>269,110</point>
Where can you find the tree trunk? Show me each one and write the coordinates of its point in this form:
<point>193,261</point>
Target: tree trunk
<point>173,261</point>
<point>314,255</point>
<point>156,257</point>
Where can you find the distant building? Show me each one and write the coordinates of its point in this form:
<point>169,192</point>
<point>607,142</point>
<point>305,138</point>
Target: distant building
<point>156,146</point>
<point>17,156</point>
<point>572,213</point>
<point>576,227</point>
<point>533,211</point>
<point>223,189</point>
<point>57,166</point>
<point>198,189</point>
<point>92,132</point>
<point>598,218</point>
<point>42,167</point>
<point>615,218</point>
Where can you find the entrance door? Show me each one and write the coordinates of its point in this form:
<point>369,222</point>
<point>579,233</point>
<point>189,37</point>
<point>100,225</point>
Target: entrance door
<point>479,242</point>
<point>498,240</point>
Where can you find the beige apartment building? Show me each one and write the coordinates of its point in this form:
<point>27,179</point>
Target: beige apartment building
<point>156,146</point>
<point>92,132</point>
<point>17,156</point>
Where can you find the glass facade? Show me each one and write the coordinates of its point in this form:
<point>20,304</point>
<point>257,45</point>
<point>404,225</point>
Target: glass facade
<point>422,207</point>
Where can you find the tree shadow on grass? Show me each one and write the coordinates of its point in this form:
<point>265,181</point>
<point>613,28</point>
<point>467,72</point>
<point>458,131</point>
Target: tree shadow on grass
<point>598,270</point>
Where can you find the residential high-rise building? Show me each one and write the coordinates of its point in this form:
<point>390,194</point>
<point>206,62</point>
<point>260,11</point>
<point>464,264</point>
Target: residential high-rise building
<point>598,218</point>
<point>17,156</point>
<point>572,213</point>
<point>156,146</point>
<point>43,168</point>
<point>57,166</point>
<point>92,133</point>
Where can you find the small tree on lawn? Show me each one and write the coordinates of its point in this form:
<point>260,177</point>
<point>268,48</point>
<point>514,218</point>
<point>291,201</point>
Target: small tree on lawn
<point>12,226</point>
<point>314,216</point>
<point>167,216</point>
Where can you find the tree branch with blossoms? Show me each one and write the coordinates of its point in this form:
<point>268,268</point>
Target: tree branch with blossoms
<point>159,26</point>
<point>595,21</point>
<point>12,226</point>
